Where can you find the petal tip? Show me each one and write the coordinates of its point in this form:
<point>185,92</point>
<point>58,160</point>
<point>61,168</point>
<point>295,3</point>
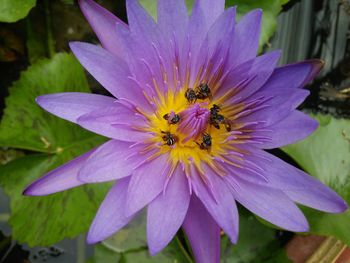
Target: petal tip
<point>32,190</point>
<point>316,67</point>
<point>153,250</point>
<point>40,99</point>
<point>258,13</point>
<point>73,45</point>
<point>301,227</point>
<point>27,191</point>
<point>91,239</point>
<point>314,124</point>
<point>234,239</point>
<point>340,207</point>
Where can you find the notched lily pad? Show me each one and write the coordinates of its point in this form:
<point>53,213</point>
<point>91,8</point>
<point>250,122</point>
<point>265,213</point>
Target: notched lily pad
<point>48,219</point>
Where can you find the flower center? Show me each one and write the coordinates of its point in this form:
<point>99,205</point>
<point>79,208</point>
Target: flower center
<point>190,126</point>
<point>194,122</point>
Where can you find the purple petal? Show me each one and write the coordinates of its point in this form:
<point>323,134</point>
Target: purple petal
<point>110,217</point>
<point>254,73</point>
<point>59,179</point>
<point>118,114</point>
<point>113,123</point>
<point>173,18</point>
<point>215,48</point>
<point>278,107</point>
<point>293,75</point>
<point>211,9</point>
<point>299,186</point>
<point>223,209</point>
<point>150,45</point>
<point>261,70</point>
<point>269,203</point>
<point>202,232</point>
<point>139,20</point>
<point>197,31</point>
<point>113,160</point>
<point>103,23</point>
<point>146,183</point>
<point>143,28</point>
<point>72,105</point>
<point>246,39</point>
<point>167,212</point>
<point>293,128</point>
<point>112,72</point>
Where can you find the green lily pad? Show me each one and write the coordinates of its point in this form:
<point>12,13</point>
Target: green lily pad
<point>13,10</point>
<point>326,155</point>
<point>256,243</point>
<point>132,236</point>
<point>271,9</point>
<point>171,254</point>
<point>48,219</point>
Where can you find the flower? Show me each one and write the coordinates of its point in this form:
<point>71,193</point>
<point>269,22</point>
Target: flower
<point>195,110</point>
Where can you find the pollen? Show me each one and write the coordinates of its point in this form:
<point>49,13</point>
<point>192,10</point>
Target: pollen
<point>185,128</point>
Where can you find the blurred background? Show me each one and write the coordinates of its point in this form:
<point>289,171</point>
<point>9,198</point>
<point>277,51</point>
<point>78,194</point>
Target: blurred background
<point>35,59</point>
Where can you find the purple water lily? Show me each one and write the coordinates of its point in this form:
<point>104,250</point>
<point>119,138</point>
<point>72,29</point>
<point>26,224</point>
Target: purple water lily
<point>193,111</point>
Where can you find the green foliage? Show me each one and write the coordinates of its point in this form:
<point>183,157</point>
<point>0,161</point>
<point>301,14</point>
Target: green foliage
<point>326,155</point>
<point>131,237</point>
<point>271,9</point>
<point>256,243</point>
<point>25,125</point>
<point>171,254</point>
<point>13,10</point>
<point>46,220</point>
<point>130,245</point>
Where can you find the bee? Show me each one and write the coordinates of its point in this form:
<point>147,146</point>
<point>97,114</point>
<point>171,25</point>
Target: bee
<point>168,138</point>
<point>190,95</point>
<point>172,118</point>
<point>215,118</point>
<point>215,109</point>
<point>206,142</point>
<point>203,91</point>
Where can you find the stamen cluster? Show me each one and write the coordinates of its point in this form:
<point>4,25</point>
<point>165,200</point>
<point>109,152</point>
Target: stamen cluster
<point>200,112</point>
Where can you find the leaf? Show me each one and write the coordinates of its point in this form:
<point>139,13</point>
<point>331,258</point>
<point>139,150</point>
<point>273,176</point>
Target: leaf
<point>326,155</point>
<point>256,243</point>
<point>130,245</point>
<point>48,219</point>
<point>13,10</point>
<point>25,125</point>
<point>271,9</point>
<point>171,254</point>
<point>132,236</point>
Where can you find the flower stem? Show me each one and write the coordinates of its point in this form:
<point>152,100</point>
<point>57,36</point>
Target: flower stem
<point>183,250</point>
